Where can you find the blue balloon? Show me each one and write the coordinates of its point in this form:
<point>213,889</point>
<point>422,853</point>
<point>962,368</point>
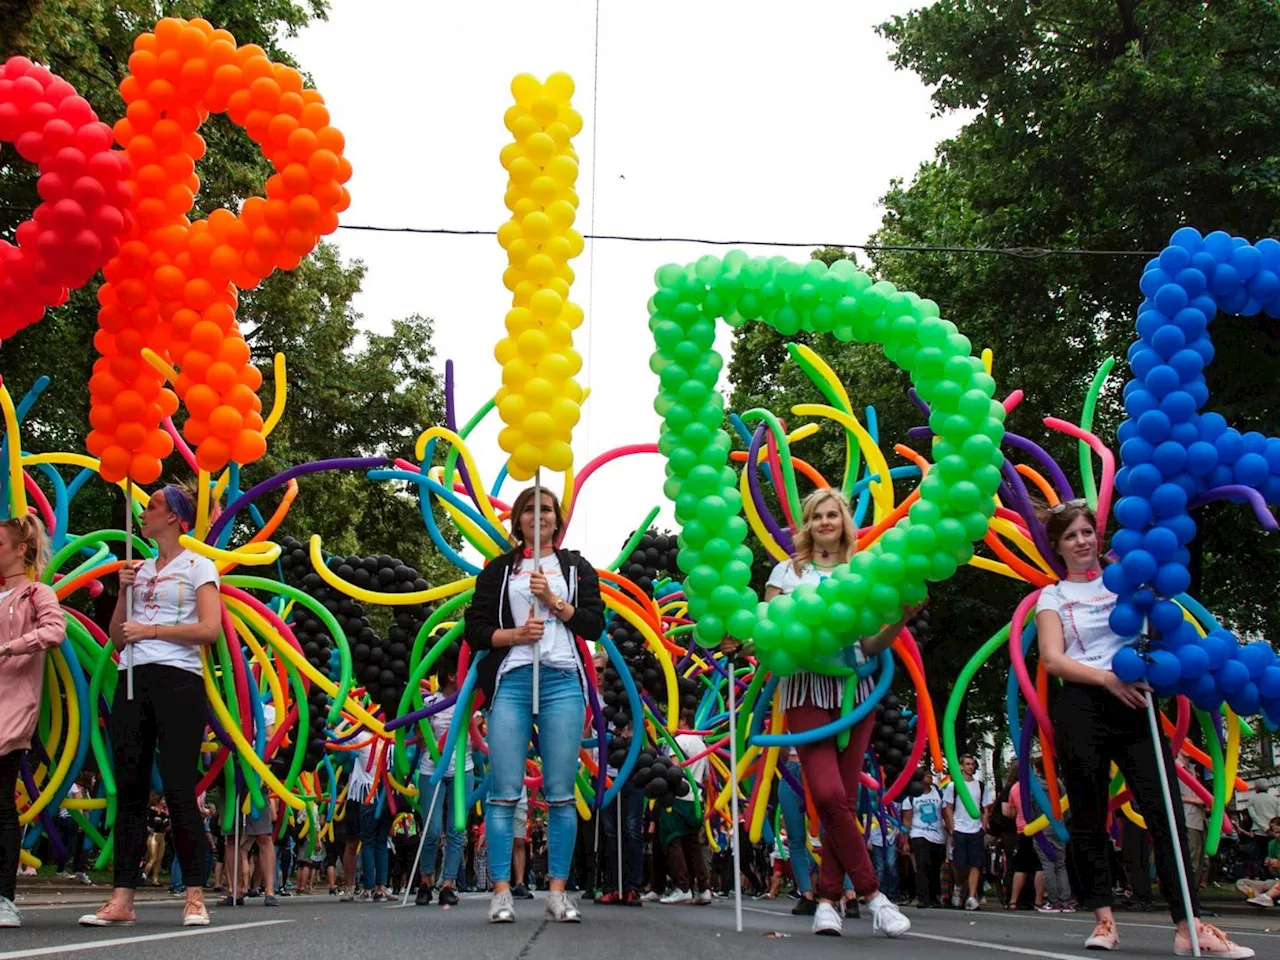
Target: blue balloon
<point>1143,479</point>
<point>1172,579</point>
<point>1166,341</point>
<point>1154,425</point>
<point>1192,281</point>
<point>1232,677</point>
<point>1225,283</point>
<point>1128,665</point>
<point>1153,281</point>
<point>1162,380</point>
<point>1245,702</point>
<point>1139,567</point>
<point>1161,543</point>
<point>1218,245</point>
<point>1188,238</point>
<point>1257,657</point>
<point>1230,446</point>
<point>1254,442</point>
<point>1126,620</point>
<point>1201,458</point>
<point>1169,500</point>
<point>1199,391</point>
<point>1180,406</point>
<point>1133,512</point>
<point>1164,669</point>
<point>1269,683</point>
<point>1195,662</point>
<point>1217,649</point>
<point>1122,541</point>
<point>1212,426</point>
<point>1166,616</point>
<point>1183,527</point>
<point>1137,450</point>
<point>1113,577</point>
<point>1173,258</point>
<point>1252,470</point>
<point>1169,457</point>
<point>1170,298</point>
<point>1191,321</point>
<point>1247,260</point>
<point>1144,599</point>
<point>1204,692</point>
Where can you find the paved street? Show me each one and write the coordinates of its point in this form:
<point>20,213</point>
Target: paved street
<point>320,927</point>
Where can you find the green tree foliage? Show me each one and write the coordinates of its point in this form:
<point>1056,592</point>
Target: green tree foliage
<point>349,394</point>
<point>1100,126</point>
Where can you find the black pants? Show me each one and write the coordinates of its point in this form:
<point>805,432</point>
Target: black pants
<point>929,857</point>
<point>1094,729</point>
<point>10,836</point>
<point>167,710</point>
<point>1136,856</point>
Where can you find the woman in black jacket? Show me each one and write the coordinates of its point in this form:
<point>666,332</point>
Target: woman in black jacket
<point>524,608</point>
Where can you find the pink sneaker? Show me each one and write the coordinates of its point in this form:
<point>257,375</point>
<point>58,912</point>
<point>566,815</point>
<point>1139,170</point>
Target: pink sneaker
<point>1104,936</point>
<point>1213,943</point>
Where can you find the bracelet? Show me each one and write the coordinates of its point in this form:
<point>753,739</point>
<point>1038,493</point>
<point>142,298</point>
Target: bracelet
<point>155,631</point>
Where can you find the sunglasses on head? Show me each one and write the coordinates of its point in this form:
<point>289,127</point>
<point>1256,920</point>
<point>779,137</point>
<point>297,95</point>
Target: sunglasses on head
<point>1059,507</point>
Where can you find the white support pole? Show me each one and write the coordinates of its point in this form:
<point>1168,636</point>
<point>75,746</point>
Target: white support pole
<point>235,867</point>
<point>618,806</point>
<point>1169,811</point>
<point>733,792</point>
<point>421,840</point>
<point>128,593</point>
<point>537,565</point>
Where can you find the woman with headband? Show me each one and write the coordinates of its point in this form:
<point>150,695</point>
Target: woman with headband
<point>827,539</point>
<point>176,611</point>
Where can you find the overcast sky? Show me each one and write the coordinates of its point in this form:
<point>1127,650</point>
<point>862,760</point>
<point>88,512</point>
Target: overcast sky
<point>720,120</point>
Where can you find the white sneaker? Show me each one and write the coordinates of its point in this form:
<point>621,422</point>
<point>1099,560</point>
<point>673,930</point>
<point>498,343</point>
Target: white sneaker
<point>887,918</point>
<point>651,897</point>
<point>704,898</point>
<point>955,897</point>
<point>83,879</point>
<point>678,896</point>
<point>347,896</point>
<point>9,915</point>
<point>501,909</point>
<point>561,909</point>
<point>1262,900</point>
<point>971,903</point>
<point>827,921</point>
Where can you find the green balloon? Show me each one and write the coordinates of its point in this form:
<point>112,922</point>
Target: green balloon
<point>955,500</point>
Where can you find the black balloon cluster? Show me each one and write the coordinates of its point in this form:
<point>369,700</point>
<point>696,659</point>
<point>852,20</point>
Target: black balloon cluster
<point>655,774</point>
<point>653,558</point>
<point>380,664</point>
<point>891,740</point>
<point>921,627</point>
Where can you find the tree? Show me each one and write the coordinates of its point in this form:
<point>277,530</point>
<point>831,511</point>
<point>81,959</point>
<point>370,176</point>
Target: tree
<point>350,394</point>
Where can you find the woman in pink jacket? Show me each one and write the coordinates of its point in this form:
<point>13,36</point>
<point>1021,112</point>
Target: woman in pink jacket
<point>31,621</point>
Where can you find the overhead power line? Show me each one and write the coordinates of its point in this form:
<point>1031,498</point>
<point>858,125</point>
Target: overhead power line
<point>1023,253</point>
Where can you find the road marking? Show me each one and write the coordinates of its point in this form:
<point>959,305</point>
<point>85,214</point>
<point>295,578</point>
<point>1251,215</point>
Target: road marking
<point>1025,951</point>
<point>1123,924</point>
<point>126,941</point>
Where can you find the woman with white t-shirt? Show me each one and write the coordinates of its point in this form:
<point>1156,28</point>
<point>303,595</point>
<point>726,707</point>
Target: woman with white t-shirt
<point>1100,719</point>
<point>524,606</point>
<point>176,611</point>
<point>827,539</point>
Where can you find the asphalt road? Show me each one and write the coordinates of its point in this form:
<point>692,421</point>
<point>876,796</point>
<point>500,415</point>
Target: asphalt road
<point>317,928</point>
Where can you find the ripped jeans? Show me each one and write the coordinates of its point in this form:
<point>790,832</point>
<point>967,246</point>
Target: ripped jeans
<point>562,709</point>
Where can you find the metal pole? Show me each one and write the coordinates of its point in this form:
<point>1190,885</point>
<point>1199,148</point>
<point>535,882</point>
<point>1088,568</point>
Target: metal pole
<point>235,868</point>
<point>537,565</point>
<point>618,807</point>
<point>733,795</point>
<point>421,840</point>
<point>128,593</point>
<point>1192,919</point>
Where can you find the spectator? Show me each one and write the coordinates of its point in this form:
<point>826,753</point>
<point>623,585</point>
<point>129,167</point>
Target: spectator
<point>923,821</point>
<point>967,831</point>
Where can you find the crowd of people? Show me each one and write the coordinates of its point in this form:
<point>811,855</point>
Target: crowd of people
<point>532,611</point>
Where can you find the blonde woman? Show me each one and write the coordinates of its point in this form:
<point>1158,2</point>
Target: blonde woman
<point>827,539</point>
<point>31,621</point>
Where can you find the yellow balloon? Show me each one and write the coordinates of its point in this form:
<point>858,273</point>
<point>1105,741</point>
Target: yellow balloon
<point>546,304</point>
<point>525,88</point>
<point>559,86</point>
<point>545,110</point>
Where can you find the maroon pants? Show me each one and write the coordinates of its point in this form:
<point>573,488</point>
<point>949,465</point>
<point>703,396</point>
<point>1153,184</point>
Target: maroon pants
<point>831,777</point>
<point>687,865</point>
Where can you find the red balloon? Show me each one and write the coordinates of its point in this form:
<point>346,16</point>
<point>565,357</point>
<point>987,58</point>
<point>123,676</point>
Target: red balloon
<point>85,212</point>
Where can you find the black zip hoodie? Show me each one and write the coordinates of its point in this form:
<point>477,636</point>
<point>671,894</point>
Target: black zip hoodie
<point>490,609</point>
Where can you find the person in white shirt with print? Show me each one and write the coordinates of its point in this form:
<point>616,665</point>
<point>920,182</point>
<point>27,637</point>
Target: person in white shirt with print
<point>968,847</point>
<point>176,611</point>
<point>923,821</point>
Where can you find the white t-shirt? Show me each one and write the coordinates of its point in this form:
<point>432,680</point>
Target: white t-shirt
<point>926,815</point>
<point>982,795</point>
<point>1192,813</point>
<point>691,745</point>
<point>877,837</point>
<point>1085,612</point>
<point>440,728</point>
<point>168,599</point>
<point>362,774</point>
<point>805,686</point>
<point>1263,807</point>
<point>557,649</point>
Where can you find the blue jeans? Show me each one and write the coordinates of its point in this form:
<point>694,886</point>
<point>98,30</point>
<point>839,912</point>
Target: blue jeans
<point>562,709</point>
<point>633,803</point>
<point>885,860</point>
<point>797,833</point>
<point>441,813</point>
<point>375,827</point>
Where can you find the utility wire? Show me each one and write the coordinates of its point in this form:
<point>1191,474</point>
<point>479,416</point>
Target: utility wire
<point>1024,253</point>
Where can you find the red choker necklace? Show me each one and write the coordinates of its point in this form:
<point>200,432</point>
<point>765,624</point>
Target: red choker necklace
<point>10,576</point>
